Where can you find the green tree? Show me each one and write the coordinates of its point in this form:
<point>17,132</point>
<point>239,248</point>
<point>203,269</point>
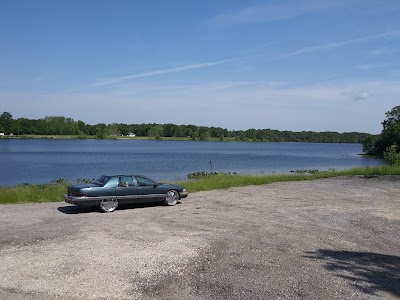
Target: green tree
<point>16,127</point>
<point>6,120</point>
<point>392,118</point>
<point>156,131</point>
<point>114,130</point>
<point>369,144</point>
<point>251,134</point>
<point>390,134</point>
<point>102,131</point>
<point>27,126</point>
<point>194,135</point>
<point>204,133</point>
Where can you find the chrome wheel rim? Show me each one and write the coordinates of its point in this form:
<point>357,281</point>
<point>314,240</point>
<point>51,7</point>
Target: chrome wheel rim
<point>108,205</point>
<point>171,197</point>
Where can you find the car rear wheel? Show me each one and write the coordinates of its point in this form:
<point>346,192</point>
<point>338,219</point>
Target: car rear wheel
<point>108,205</point>
<point>171,198</point>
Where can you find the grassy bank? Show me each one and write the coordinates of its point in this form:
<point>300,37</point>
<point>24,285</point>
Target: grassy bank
<point>54,192</point>
<point>225,181</point>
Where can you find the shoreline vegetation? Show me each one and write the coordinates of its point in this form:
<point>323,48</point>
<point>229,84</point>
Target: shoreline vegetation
<point>196,182</point>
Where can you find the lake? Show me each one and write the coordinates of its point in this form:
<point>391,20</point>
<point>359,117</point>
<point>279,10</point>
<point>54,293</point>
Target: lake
<point>43,160</point>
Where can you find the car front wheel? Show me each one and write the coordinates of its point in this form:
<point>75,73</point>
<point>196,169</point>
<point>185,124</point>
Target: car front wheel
<point>171,198</point>
<point>108,205</point>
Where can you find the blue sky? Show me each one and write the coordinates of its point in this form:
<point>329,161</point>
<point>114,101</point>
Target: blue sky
<point>316,65</point>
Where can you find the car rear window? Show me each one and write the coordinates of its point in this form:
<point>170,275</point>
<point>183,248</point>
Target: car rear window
<point>101,180</point>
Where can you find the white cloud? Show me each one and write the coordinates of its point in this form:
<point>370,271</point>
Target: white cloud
<point>362,96</point>
<point>366,67</point>
<point>113,80</point>
<point>273,12</point>
<point>380,51</point>
<point>339,44</point>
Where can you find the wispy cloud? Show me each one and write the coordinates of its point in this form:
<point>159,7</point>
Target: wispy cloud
<point>339,44</point>
<point>362,96</point>
<point>380,51</point>
<point>272,12</point>
<point>113,80</point>
<point>367,67</point>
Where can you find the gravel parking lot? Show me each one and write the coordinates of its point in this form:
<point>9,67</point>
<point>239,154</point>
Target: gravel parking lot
<point>334,238</point>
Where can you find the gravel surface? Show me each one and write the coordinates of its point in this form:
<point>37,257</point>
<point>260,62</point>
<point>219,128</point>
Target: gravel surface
<point>334,238</point>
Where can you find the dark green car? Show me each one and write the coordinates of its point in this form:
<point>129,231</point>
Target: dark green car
<point>107,192</point>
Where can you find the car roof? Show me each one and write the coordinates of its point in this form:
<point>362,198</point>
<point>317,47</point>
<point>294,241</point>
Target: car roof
<point>119,175</point>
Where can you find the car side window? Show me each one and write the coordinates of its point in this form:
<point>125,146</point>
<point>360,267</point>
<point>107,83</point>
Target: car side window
<point>143,181</point>
<point>112,182</point>
<point>126,181</point>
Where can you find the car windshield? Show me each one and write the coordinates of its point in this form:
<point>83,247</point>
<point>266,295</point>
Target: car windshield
<point>100,180</point>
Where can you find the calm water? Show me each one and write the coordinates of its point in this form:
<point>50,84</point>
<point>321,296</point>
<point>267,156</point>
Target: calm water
<point>41,160</point>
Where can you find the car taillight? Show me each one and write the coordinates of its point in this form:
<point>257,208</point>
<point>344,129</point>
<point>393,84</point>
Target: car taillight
<point>80,195</point>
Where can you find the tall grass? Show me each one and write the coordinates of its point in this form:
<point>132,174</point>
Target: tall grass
<point>32,193</point>
<point>54,192</point>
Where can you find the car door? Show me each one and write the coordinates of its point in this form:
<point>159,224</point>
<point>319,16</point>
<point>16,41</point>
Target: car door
<point>148,190</point>
<point>127,190</point>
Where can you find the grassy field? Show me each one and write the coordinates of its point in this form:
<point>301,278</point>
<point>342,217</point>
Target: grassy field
<point>54,192</point>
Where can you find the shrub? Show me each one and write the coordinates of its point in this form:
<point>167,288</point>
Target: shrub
<point>199,175</point>
<point>392,156</point>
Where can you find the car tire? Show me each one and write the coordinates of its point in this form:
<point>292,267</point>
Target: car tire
<point>171,198</point>
<point>108,205</point>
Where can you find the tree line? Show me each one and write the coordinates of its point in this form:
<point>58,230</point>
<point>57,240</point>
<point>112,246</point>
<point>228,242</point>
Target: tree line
<point>58,125</point>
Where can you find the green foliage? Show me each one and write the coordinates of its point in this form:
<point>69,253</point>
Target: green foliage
<point>389,136</point>
<point>114,130</point>
<point>392,118</point>
<point>203,174</point>
<point>369,144</point>
<point>156,131</point>
<point>314,171</point>
<point>102,132</point>
<point>6,120</point>
<point>392,156</point>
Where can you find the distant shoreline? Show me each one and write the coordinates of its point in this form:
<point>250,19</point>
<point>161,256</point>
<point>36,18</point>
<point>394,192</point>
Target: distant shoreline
<point>145,138</point>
